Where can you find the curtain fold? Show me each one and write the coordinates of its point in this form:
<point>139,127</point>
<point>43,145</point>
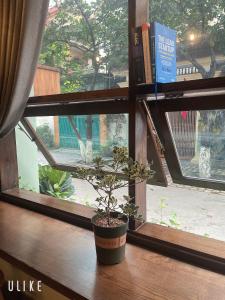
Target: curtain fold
<point>21,29</point>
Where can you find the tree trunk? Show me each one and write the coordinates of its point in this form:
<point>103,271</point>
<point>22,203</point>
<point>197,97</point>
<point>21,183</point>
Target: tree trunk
<point>89,122</point>
<point>89,150</point>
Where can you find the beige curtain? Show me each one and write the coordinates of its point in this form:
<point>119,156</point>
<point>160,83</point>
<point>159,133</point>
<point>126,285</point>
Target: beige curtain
<point>21,28</point>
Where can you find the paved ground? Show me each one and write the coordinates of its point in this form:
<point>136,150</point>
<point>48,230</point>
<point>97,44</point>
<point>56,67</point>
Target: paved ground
<point>196,210</point>
<point>190,209</point>
<point>66,156</point>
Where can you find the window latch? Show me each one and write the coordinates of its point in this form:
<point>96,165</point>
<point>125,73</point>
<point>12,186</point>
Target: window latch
<point>176,94</point>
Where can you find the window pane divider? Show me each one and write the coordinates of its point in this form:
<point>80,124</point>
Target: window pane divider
<point>77,97</point>
<point>210,102</point>
<point>191,85</point>
<point>80,108</point>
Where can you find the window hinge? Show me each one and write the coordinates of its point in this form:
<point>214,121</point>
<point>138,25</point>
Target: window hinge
<point>177,94</point>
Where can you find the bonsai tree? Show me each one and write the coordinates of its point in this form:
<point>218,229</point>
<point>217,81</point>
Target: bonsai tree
<point>120,171</point>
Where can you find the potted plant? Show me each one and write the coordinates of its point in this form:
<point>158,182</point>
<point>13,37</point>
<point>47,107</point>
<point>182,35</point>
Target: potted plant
<point>110,223</point>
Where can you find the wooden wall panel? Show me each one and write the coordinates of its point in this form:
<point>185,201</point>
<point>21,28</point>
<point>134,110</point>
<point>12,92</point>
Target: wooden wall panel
<point>8,162</point>
<point>46,81</point>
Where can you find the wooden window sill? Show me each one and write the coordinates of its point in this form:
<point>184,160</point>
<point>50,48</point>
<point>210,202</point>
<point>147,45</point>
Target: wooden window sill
<point>197,243</point>
<point>201,251</point>
<point>63,257</point>
<point>67,211</point>
<point>197,250</point>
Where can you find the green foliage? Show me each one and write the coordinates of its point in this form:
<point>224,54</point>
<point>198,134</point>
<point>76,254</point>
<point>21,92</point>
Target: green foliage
<point>101,26</point>
<point>130,209</point>
<point>91,27</point>
<point>173,222</point>
<point>162,205</point>
<point>106,183</point>
<point>206,235</point>
<point>206,20</point>
<point>55,182</point>
<point>203,18</point>
<point>45,134</point>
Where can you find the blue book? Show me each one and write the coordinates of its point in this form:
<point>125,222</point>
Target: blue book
<point>163,46</point>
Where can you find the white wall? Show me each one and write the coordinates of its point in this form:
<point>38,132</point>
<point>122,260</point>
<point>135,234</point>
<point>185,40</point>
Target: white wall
<point>27,156</point>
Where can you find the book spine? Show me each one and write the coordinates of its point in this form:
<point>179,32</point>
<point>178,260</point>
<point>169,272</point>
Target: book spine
<point>153,58</point>
<point>147,53</point>
<point>138,57</point>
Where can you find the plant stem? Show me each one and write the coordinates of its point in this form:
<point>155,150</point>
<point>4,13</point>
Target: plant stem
<point>108,205</point>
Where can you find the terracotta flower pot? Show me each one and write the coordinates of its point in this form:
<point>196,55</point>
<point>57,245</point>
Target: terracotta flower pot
<point>110,242</point>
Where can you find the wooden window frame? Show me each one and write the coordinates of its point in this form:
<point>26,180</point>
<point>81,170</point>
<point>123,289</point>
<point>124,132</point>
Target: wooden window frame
<point>112,101</point>
<point>85,103</point>
<point>158,109</point>
<point>159,177</point>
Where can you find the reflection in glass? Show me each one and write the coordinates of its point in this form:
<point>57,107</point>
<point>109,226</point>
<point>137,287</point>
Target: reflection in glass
<point>199,138</point>
<point>73,140</point>
<point>200,35</point>
<point>85,47</point>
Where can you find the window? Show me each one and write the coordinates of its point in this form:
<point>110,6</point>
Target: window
<point>200,35</point>
<point>85,47</point>
<point>191,130</point>
<point>63,143</point>
<point>181,124</point>
<point>76,140</point>
<point>67,141</point>
<point>199,140</point>
<point>187,208</point>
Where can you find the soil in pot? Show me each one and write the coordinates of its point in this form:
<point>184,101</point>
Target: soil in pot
<point>110,240</point>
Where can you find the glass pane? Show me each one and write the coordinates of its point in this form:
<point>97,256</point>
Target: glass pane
<point>199,138</point>
<point>200,35</point>
<point>74,140</point>
<point>86,195</point>
<point>57,135</point>
<point>28,172</point>
<point>85,47</point>
<point>186,208</point>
